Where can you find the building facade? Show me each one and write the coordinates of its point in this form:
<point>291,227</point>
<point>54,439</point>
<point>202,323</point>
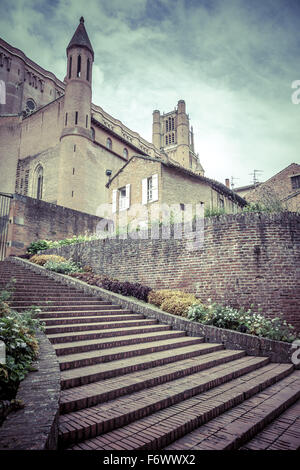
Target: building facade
<point>146,188</point>
<point>280,191</point>
<point>57,146</point>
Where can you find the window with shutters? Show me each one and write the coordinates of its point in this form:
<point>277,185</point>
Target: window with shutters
<point>150,189</point>
<point>122,198</point>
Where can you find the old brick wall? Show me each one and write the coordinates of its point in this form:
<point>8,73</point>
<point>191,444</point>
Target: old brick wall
<point>246,259</point>
<point>31,220</point>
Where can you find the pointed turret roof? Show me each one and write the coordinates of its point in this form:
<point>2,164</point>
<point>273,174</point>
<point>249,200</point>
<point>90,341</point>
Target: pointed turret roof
<point>80,38</point>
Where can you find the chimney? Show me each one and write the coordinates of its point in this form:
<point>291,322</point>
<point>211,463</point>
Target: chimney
<point>227,183</point>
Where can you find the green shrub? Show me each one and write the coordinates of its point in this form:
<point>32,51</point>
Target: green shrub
<point>157,297</point>
<point>17,331</point>
<point>41,260</point>
<point>39,245</point>
<point>242,320</point>
<point>213,212</point>
<point>172,301</point>
<point>63,267</point>
<point>178,304</point>
<point>34,247</point>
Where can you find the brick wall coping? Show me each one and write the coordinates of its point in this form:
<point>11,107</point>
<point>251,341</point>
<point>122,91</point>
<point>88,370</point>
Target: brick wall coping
<point>277,351</point>
<point>35,427</point>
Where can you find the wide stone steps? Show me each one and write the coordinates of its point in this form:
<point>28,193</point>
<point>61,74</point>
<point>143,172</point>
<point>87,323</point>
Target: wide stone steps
<point>94,373</point>
<point>235,427</point>
<point>148,325</point>
<point>103,322</point>
<point>169,423</point>
<point>131,383</point>
<point>81,317</point>
<point>83,396</point>
<point>99,344</point>
<point>281,434</point>
<point>88,358</point>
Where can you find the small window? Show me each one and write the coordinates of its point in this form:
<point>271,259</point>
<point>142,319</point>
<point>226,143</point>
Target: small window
<point>88,70</point>
<point>125,153</point>
<point>66,120</point>
<point>109,143</point>
<point>78,66</point>
<point>150,189</point>
<point>122,198</point>
<point>70,67</point>
<point>221,203</point>
<point>295,180</point>
<point>86,120</point>
<point>182,206</point>
<point>93,133</point>
<point>76,117</point>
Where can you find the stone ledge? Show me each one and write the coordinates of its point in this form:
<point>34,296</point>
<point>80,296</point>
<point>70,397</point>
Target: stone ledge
<point>35,427</point>
<point>277,351</point>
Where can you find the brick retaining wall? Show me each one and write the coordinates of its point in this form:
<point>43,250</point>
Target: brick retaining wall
<point>246,259</point>
<point>32,219</point>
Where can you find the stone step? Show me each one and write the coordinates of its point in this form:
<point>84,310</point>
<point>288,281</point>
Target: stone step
<point>157,431</point>
<point>57,309</point>
<point>77,398</point>
<point>100,344</point>
<point>50,304</point>
<point>50,298</point>
<point>90,317</point>
<point>235,427</point>
<point>111,310</point>
<point>88,374</point>
<point>111,331</point>
<point>91,358</point>
<point>283,433</point>
<point>103,322</point>
<point>121,411</point>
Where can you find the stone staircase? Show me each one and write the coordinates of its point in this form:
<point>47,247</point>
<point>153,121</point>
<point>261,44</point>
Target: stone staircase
<point>130,383</point>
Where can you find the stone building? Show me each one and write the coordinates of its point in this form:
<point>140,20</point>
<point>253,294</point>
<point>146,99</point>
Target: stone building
<point>144,186</point>
<point>58,146</point>
<point>281,190</point>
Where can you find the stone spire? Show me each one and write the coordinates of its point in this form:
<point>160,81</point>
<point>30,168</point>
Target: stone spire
<point>80,38</point>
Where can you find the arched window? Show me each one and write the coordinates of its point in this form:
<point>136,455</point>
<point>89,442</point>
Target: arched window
<point>78,65</point>
<point>125,153</point>
<point>93,133</point>
<point>38,179</point>
<point>109,143</point>
<point>88,70</point>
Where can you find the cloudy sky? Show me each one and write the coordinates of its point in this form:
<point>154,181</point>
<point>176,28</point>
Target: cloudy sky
<point>232,61</point>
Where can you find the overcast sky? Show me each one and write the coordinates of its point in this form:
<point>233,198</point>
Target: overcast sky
<point>232,61</point>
